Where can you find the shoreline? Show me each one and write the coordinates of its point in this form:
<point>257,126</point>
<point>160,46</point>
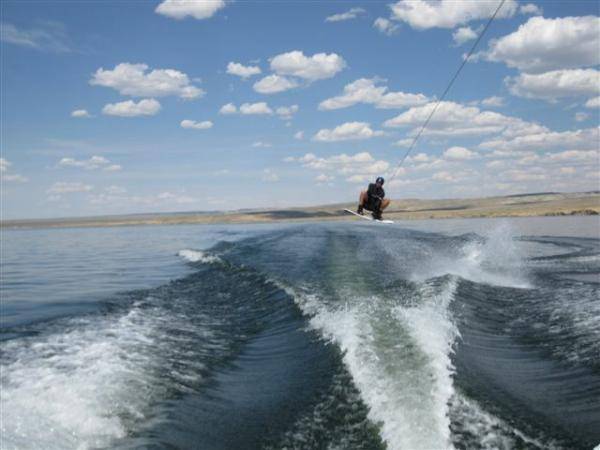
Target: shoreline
<point>525,205</point>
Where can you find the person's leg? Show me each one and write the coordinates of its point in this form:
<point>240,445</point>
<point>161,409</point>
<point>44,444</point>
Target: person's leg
<point>362,200</point>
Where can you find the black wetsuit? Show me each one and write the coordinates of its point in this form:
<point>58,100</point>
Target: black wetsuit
<point>375,195</point>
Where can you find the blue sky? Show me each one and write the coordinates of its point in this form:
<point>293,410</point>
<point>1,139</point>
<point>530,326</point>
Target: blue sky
<point>119,107</point>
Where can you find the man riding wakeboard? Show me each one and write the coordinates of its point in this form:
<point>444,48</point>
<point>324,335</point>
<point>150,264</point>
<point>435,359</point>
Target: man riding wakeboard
<point>373,199</point>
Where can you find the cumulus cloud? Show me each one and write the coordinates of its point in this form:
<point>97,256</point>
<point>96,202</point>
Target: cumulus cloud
<point>270,176</point>
<point>299,135</point>
<point>454,119</point>
<point>352,13</point>
<point>310,68</point>
<point>64,187</point>
<point>578,139</point>
<point>180,9</point>
<point>464,34</point>
<point>249,108</point>
<point>358,167</point>
<point>287,112</point>
<point>581,116</point>
<point>347,132</point>
<point>323,178</point>
<point>133,80</point>
<point>146,107</point>
<point>459,154</point>
<point>48,36</point>
<point>80,113</point>
<point>493,101</point>
<point>386,26</point>
<point>4,165</point>
<point>12,177</point>
<point>261,144</point>
<point>367,91</point>
<point>229,108</point>
<point>272,84</point>
<point>555,84</point>
<point>193,125</point>
<point>94,163</point>
<point>421,14</point>
<point>255,108</point>
<point>241,70</point>
<point>530,8</point>
<point>593,103</point>
<point>542,44</point>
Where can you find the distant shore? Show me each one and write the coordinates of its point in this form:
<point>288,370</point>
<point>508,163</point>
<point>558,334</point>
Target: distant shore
<point>524,205</point>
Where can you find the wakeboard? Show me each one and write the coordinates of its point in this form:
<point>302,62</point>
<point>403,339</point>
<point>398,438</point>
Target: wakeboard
<point>368,217</point>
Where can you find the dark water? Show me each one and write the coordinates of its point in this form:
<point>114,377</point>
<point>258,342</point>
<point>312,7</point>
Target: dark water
<point>432,335</point>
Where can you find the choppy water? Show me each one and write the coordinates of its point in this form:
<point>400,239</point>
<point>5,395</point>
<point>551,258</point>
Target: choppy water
<point>433,335</point>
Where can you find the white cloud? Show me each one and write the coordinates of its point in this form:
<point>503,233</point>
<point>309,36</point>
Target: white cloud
<point>14,178</point>
<point>459,154</point>
<point>270,176</point>
<point>132,79</point>
<point>445,176</point>
<point>386,26</point>
<point>530,8</point>
<point>260,144</point>
<point>146,107</point>
<point>581,116</point>
<point>286,112</point>
<point>578,139</point>
<point>346,132</point>
<point>272,84</point>
<point>48,36</point>
<point>353,13</point>
<point>568,170</point>
<point>180,9</point>
<point>322,178</point>
<point>94,163</point>
<point>63,187</point>
<point>299,135</point>
<point>366,90</point>
<point>542,44</point>
<point>493,101</point>
<point>404,143</point>
<point>241,70</point>
<point>191,124</point>
<point>255,108</point>
<point>556,84</point>
<point>229,108</point>
<point>317,67</point>
<point>358,167</point>
<point>593,103</point>
<point>421,14</point>
<point>454,119</point>
<point>463,34</point>
<point>80,113</point>
<point>4,165</point>
<point>115,190</point>
<point>575,155</point>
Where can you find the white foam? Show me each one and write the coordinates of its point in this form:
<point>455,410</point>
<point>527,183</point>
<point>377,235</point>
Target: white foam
<point>90,381</point>
<point>399,360</point>
<point>497,260</point>
<point>198,256</point>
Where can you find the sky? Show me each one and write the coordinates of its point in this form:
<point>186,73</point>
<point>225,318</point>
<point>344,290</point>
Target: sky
<point>115,107</point>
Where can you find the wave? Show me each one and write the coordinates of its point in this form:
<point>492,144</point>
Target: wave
<point>198,256</point>
<point>399,360</point>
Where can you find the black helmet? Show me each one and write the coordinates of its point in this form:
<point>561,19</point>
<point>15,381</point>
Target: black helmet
<point>379,180</point>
